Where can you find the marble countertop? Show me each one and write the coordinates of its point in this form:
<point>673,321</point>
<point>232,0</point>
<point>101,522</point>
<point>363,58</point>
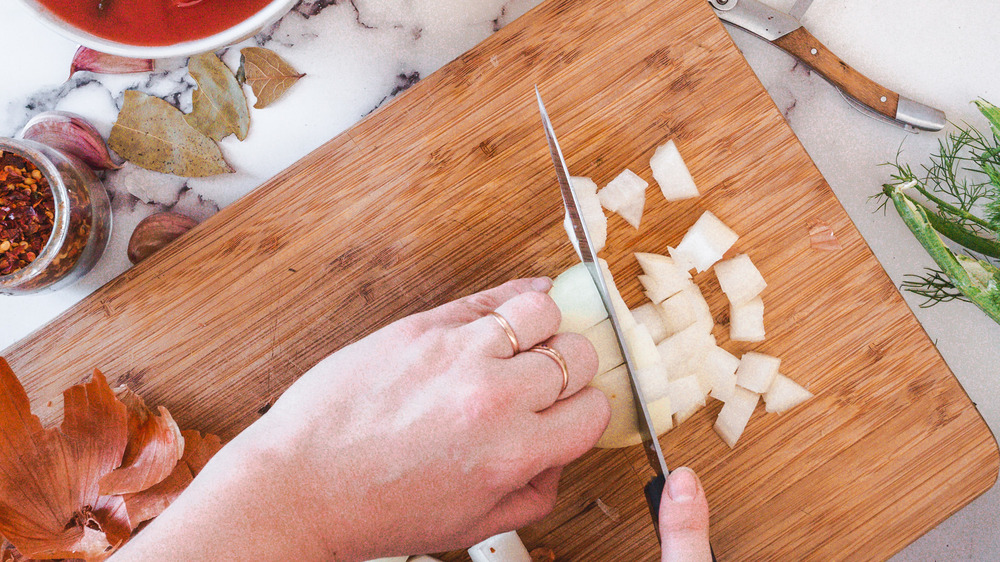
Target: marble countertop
<point>360,53</point>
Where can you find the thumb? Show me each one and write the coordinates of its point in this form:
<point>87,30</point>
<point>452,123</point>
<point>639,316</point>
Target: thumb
<point>684,519</point>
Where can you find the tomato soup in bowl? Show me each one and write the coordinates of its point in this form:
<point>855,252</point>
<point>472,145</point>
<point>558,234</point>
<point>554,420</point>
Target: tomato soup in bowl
<point>158,28</point>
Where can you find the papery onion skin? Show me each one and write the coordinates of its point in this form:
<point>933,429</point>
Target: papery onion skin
<point>49,501</point>
<point>821,238</point>
<point>154,446</point>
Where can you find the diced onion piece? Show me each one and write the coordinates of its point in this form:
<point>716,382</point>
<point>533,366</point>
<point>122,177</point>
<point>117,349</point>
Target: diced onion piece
<point>784,394</point>
<point>660,414</point>
<point>653,381</point>
<point>686,397</point>
<point>746,321</point>
<point>757,371</point>
<point>505,547</point>
<point>590,211</point>
<point>654,291</point>
<point>671,174</point>
<point>622,430</point>
<point>641,347</point>
<point>663,279</point>
<point>668,276</point>
<point>625,195</point>
<point>705,242</point>
<point>686,308</point>
<point>609,354</point>
<point>583,185</point>
<point>735,414</point>
<point>625,319</point>
<point>648,315</point>
<point>739,278</point>
<point>680,260</point>
<point>682,352</point>
<point>720,367</point>
<point>578,300</point>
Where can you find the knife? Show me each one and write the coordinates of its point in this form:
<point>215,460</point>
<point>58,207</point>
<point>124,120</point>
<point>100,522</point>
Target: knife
<point>585,249</point>
<point>786,32</point>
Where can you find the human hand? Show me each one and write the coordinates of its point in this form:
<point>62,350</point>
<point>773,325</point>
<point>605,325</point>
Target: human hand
<point>427,435</point>
<point>684,519</point>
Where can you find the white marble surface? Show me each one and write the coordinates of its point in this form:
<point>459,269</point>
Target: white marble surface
<point>359,53</point>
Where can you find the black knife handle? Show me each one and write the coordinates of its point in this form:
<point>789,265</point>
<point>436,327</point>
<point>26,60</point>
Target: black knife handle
<point>654,491</point>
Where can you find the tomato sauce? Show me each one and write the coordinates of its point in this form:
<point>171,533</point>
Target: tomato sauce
<point>153,22</point>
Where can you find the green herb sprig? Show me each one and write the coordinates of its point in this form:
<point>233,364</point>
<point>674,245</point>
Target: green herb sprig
<point>958,197</point>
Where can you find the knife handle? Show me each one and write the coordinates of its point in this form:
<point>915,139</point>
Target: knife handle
<point>804,46</point>
<point>654,491</point>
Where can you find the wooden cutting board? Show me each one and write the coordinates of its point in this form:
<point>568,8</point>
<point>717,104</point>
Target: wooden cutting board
<point>449,190</point>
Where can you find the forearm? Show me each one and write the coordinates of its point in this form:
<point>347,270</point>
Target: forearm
<point>236,509</point>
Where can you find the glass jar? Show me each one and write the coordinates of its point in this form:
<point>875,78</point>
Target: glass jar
<point>81,222</point>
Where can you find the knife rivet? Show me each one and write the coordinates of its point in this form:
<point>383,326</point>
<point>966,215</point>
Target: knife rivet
<point>882,99</point>
<point>722,2</point>
<point>813,51</point>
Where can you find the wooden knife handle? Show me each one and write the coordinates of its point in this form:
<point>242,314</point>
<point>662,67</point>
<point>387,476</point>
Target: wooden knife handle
<point>802,45</point>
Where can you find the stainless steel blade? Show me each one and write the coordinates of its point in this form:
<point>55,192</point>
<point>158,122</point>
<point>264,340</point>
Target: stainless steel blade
<point>755,17</point>
<point>799,8</point>
<point>589,257</point>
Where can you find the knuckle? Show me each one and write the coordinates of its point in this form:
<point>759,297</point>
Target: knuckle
<point>584,353</point>
<point>480,303</point>
<point>542,306</point>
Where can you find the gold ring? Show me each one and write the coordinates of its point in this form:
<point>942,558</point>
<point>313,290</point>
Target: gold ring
<point>508,330</point>
<point>558,358</point>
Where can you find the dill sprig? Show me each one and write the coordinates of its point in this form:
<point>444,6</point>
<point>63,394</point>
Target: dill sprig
<point>957,196</point>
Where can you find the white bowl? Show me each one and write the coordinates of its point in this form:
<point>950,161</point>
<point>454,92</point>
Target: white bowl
<point>246,28</point>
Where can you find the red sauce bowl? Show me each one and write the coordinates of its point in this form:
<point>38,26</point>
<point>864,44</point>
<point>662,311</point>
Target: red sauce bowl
<point>151,29</point>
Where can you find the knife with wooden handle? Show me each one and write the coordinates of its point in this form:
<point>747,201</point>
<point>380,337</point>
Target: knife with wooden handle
<point>785,31</point>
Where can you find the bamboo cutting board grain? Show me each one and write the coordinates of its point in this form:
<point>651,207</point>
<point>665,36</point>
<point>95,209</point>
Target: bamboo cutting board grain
<point>449,190</point>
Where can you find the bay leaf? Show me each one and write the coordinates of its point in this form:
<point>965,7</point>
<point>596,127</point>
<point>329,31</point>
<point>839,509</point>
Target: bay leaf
<point>220,107</point>
<point>153,134</point>
<point>268,75</point>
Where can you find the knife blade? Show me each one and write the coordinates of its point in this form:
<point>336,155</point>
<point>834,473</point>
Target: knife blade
<point>786,32</point>
<point>588,256</point>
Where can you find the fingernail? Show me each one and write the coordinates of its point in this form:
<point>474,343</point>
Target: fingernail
<point>542,284</point>
<point>682,485</point>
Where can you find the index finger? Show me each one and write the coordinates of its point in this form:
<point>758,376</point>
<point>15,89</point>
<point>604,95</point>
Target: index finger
<point>472,307</point>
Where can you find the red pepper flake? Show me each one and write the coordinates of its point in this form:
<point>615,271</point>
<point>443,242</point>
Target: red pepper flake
<point>27,210</point>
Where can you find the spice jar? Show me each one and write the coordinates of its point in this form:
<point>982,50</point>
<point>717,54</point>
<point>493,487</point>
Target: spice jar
<point>80,221</point>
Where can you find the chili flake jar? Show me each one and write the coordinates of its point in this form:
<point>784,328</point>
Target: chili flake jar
<point>80,221</point>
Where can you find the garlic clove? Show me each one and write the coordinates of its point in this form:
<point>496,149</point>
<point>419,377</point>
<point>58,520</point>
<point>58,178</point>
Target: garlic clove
<point>71,134</point>
<point>90,60</point>
<point>155,232</point>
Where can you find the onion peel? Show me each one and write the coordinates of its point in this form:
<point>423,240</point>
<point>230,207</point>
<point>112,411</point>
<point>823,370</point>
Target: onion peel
<point>821,237</point>
<point>149,503</point>
<point>50,506</point>
<point>154,446</point>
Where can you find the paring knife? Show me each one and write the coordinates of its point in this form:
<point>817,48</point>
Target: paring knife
<point>587,254</point>
<point>785,31</point>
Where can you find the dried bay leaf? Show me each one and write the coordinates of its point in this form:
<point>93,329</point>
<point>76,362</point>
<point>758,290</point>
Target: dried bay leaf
<point>268,75</point>
<point>220,107</point>
<point>155,135</point>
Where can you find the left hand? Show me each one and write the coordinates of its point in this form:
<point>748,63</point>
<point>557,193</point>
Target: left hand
<point>427,435</point>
